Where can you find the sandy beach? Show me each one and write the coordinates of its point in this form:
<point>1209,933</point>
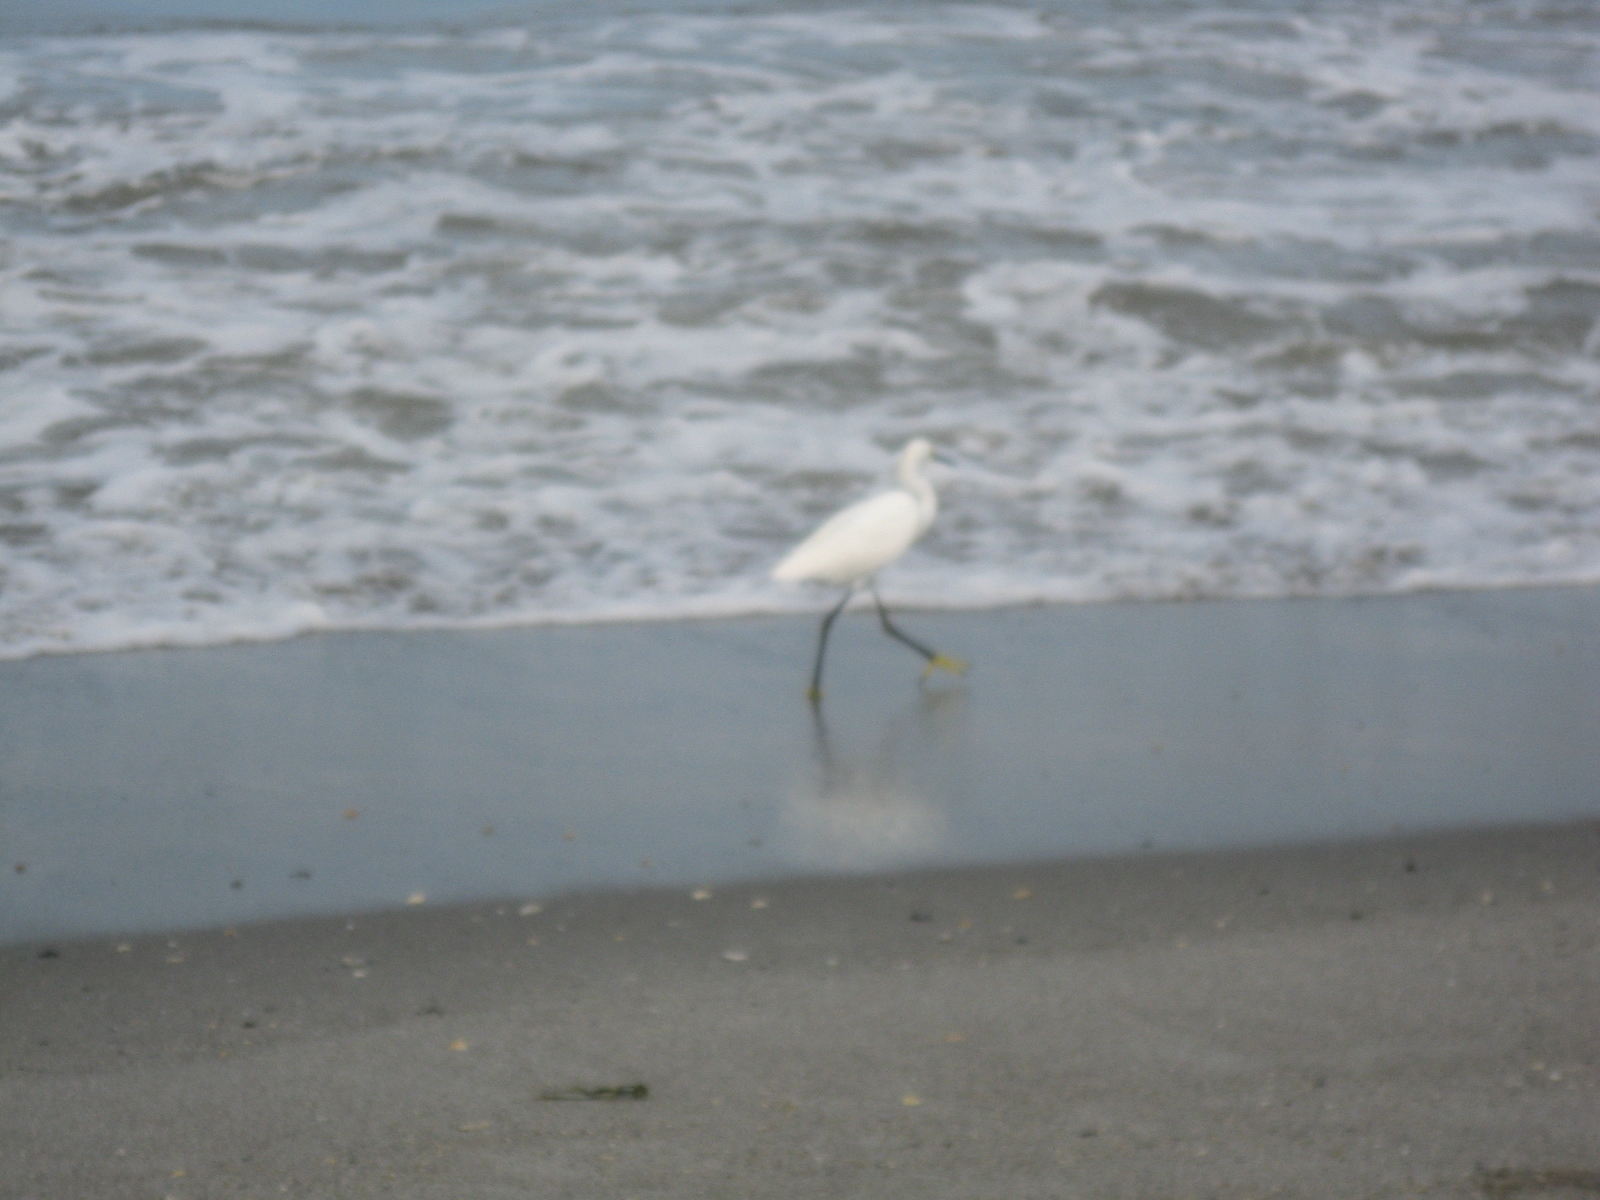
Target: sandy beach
<point>672,936</point>
<point>1394,1017</point>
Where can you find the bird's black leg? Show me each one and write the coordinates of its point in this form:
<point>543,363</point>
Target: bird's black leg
<point>889,628</point>
<point>936,661</point>
<point>815,694</point>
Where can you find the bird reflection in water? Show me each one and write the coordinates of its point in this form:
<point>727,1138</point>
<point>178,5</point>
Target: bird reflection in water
<point>865,809</point>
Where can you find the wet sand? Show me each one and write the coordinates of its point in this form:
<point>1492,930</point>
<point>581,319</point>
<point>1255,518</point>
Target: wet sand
<point>189,788</point>
<point>1412,1015</point>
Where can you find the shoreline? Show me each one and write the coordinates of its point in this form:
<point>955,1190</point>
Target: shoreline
<point>825,596</point>
<point>1396,1015</point>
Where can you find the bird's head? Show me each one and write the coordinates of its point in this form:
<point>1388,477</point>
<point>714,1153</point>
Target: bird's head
<point>917,452</point>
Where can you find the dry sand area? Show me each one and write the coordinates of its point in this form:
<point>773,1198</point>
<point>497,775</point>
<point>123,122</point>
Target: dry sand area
<point>1411,1016</point>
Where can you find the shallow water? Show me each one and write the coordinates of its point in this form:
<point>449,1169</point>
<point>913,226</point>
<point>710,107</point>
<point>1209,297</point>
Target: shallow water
<point>559,314</point>
<point>350,771</point>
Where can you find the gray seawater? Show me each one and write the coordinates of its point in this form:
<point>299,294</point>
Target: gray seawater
<point>561,313</point>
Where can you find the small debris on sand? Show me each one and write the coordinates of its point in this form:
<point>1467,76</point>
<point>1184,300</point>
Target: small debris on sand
<point>350,814</point>
<point>910,1100</point>
<point>1510,1181</point>
<point>1023,893</point>
<point>735,955</point>
<point>417,898</point>
<point>700,894</point>
<point>759,902</point>
<point>459,1045</point>
<point>528,910</point>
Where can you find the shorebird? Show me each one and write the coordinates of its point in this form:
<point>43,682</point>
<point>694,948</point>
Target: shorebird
<point>850,547</point>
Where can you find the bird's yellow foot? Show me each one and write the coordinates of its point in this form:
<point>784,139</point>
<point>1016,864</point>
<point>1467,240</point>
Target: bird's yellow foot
<point>943,662</point>
<point>814,695</point>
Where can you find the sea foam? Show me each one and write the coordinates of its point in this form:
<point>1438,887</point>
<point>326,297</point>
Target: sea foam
<point>590,319</point>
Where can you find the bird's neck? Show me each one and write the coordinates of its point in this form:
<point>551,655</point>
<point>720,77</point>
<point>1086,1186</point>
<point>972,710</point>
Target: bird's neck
<point>922,492</point>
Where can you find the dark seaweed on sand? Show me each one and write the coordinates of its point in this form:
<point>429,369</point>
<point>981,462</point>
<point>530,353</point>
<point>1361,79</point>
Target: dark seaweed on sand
<point>632,1091</point>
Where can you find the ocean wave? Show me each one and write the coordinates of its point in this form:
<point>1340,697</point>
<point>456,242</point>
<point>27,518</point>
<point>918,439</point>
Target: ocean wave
<point>524,323</point>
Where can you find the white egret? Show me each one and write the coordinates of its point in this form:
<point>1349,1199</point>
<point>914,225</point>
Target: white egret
<point>850,547</point>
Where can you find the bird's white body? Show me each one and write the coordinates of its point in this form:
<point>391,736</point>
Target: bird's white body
<point>854,543</point>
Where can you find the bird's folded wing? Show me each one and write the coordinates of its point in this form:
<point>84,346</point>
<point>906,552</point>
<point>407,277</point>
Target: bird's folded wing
<point>854,542</point>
